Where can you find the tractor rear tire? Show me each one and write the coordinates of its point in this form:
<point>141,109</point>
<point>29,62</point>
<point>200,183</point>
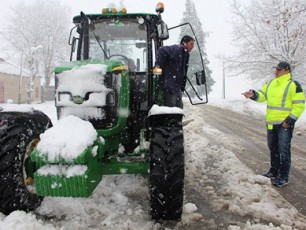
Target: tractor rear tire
<point>16,136</point>
<point>167,173</point>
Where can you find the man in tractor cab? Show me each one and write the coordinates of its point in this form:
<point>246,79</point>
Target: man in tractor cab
<point>174,63</point>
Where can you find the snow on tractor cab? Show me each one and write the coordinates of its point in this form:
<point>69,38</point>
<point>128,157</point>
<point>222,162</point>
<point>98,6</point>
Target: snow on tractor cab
<point>110,85</point>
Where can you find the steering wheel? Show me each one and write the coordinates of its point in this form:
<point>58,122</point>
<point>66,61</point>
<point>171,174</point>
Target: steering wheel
<point>129,62</point>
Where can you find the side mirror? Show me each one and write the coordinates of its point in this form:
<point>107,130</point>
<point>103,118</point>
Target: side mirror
<point>162,31</point>
<point>70,35</point>
<point>79,29</point>
<point>200,77</point>
<point>73,44</point>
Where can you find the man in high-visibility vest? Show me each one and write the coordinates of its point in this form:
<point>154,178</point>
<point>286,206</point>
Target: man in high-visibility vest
<point>285,104</point>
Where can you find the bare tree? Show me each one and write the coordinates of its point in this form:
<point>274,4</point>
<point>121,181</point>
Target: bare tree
<point>42,24</point>
<point>266,32</point>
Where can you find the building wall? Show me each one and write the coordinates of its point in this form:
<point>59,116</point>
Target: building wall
<point>9,88</point>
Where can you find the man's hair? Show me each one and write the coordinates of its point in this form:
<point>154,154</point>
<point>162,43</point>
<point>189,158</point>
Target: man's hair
<point>186,39</point>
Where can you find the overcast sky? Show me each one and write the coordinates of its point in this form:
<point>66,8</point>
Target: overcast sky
<point>215,17</point>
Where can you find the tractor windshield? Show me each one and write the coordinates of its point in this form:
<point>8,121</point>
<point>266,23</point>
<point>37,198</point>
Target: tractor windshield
<point>120,39</point>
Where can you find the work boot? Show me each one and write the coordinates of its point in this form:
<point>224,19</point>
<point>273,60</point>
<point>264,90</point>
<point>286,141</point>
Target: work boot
<point>270,175</point>
<point>280,182</point>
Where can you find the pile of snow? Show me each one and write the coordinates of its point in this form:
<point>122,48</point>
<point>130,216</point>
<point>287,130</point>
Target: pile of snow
<point>67,139</point>
<point>21,220</point>
<point>16,108</point>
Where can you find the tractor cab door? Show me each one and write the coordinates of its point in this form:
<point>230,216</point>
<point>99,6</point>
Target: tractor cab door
<point>196,86</point>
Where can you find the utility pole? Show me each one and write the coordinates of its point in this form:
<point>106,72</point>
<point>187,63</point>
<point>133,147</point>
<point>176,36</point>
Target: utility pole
<point>33,71</point>
<point>20,79</point>
<point>223,83</point>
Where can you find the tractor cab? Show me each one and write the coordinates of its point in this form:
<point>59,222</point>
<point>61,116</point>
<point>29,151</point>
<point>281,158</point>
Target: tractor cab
<point>133,39</point>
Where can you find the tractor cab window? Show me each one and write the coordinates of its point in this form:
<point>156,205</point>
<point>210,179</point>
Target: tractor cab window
<point>122,39</point>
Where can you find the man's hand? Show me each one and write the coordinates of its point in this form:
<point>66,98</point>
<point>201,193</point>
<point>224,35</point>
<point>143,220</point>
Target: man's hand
<point>157,70</point>
<point>248,94</point>
<point>285,125</point>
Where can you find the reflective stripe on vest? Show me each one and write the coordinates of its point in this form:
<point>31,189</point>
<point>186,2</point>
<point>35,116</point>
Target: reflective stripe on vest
<point>298,102</point>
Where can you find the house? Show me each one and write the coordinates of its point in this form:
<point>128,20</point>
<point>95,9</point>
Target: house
<point>15,88</point>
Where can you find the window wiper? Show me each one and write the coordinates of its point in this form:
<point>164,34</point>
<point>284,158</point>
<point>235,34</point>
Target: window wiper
<point>96,37</point>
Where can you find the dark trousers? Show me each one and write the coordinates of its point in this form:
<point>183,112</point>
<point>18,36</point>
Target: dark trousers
<point>173,99</point>
<point>279,143</point>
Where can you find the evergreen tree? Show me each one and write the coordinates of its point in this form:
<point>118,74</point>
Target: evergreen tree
<point>190,15</point>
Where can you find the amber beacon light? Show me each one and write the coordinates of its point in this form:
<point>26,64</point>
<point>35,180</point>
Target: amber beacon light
<point>160,7</point>
<point>114,11</point>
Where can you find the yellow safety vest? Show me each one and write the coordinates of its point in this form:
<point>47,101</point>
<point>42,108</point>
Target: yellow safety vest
<point>285,98</point>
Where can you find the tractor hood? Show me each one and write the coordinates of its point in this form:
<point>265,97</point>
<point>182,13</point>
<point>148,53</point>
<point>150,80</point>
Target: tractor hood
<point>95,91</point>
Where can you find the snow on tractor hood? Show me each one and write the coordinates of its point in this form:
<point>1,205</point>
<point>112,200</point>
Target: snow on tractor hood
<point>83,79</point>
<point>85,84</point>
<point>84,88</point>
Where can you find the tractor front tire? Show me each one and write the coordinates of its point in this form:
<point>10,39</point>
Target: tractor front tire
<point>167,172</point>
<point>19,130</point>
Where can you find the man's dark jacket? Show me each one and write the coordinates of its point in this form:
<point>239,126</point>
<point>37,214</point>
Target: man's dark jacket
<point>174,62</point>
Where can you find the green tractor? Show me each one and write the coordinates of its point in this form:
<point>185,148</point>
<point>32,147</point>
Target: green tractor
<point>110,84</point>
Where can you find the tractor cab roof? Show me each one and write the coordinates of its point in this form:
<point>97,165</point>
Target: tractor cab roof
<point>77,19</point>
<point>120,13</point>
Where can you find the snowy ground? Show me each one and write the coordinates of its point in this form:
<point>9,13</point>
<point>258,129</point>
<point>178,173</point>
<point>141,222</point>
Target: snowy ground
<point>120,202</point>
